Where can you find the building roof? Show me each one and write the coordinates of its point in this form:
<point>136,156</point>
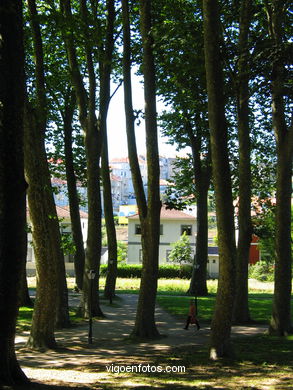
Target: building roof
<point>63,212</point>
<point>213,250</point>
<point>119,160</point>
<point>170,214</point>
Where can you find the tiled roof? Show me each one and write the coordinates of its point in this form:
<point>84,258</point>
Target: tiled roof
<point>63,212</point>
<point>119,160</point>
<point>170,214</point>
<point>66,212</point>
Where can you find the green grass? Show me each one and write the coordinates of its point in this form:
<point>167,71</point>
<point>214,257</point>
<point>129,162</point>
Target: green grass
<point>24,319</point>
<point>260,308</point>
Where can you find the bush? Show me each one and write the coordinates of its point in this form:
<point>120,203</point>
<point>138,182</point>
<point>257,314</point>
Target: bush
<point>166,271</point>
<point>261,271</point>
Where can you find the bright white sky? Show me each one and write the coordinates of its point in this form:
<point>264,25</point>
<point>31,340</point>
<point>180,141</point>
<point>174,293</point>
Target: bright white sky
<point>117,143</point>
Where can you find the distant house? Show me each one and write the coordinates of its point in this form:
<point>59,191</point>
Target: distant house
<point>173,224</point>
<point>65,228</point>
<point>213,262</point>
<point>213,257</point>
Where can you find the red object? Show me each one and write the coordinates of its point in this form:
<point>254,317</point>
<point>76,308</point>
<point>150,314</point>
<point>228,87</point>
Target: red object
<point>254,252</point>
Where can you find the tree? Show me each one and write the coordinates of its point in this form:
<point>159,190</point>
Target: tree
<point>181,252</point>
<point>241,310</point>
<point>52,296</point>
<point>106,68</point>
<point>149,209</point>
<point>280,323</point>
<point>182,86</point>
<point>220,344</point>
<point>12,186</point>
<point>94,128</point>
<point>79,254</point>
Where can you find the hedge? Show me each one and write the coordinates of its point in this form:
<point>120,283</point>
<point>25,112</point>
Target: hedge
<point>166,271</point>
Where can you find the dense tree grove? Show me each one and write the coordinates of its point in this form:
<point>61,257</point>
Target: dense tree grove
<point>223,71</point>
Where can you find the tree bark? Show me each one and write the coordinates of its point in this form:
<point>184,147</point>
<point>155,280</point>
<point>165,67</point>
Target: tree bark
<point>105,74</point>
<point>280,323</point>
<point>202,177</point>
<point>24,297</point>
<point>86,102</point>
<point>109,291</point>
<point>12,186</point>
<point>241,309</point>
<point>220,343</point>
<point>149,210</point>
<point>79,255</point>
<point>51,296</point>
<point>145,326</point>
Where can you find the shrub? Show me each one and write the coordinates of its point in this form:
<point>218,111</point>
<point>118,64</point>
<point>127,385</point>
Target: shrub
<point>262,271</point>
<point>181,251</point>
<point>166,271</point>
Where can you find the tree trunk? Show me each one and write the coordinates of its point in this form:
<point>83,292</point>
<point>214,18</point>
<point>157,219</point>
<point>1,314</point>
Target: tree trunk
<point>86,102</point>
<point>51,296</point>
<point>202,178</point>
<point>220,344</point>
<point>280,323</point>
<point>149,211</point>
<point>79,255</point>
<point>24,297</point>
<point>145,326</point>
<point>12,186</point>
<point>110,225</point>
<point>105,74</point>
<point>241,309</point>
<point>198,283</point>
<point>43,323</point>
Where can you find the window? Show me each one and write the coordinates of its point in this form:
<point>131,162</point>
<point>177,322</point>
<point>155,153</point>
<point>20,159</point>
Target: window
<point>168,251</point>
<point>187,229</point>
<point>137,229</point>
<point>161,230</point>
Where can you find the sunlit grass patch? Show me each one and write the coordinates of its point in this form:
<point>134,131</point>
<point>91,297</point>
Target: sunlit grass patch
<point>24,318</point>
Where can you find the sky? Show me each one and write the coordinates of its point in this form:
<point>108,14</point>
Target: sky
<point>117,142</point>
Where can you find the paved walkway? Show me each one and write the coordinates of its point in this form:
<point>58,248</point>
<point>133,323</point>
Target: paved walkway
<point>110,344</point>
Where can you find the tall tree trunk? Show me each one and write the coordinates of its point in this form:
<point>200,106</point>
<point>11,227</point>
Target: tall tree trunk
<point>51,296</point>
<point>79,255</point>
<point>24,297</point>
<point>241,309</point>
<point>110,225</point>
<point>149,211</point>
<point>86,102</point>
<point>202,178</point>
<point>145,325</point>
<point>220,344</point>
<point>105,74</point>
<point>12,186</point>
<point>198,283</point>
<point>280,323</point>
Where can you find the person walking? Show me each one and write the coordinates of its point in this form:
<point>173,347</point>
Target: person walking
<point>191,319</point>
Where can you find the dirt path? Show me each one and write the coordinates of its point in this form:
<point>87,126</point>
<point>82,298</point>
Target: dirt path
<point>78,362</point>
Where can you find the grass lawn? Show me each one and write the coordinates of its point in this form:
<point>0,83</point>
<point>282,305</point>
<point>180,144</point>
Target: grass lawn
<point>261,362</point>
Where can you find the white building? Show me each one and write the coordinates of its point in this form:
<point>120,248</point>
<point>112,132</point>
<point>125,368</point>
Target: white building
<point>65,228</point>
<point>173,224</point>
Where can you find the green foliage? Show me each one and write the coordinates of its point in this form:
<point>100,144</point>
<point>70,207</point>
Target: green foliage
<point>67,244</point>
<point>262,271</point>
<point>181,252</point>
<point>121,252</point>
<point>165,271</point>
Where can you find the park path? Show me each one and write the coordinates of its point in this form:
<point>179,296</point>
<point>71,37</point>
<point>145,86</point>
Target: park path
<point>110,343</point>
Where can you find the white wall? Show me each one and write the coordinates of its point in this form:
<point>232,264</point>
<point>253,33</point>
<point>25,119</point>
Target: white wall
<point>171,234</point>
